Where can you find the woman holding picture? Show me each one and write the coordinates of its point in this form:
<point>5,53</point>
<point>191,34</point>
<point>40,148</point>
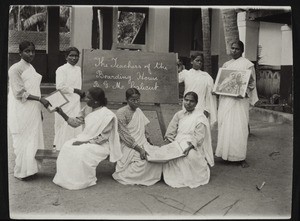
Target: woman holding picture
<point>68,81</point>
<point>233,112</point>
<point>24,112</point>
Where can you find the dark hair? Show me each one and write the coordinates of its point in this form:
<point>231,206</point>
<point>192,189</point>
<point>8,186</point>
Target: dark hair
<point>194,56</point>
<point>195,96</point>
<point>25,44</point>
<point>69,49</point>
<point>98,95</point>
<point>131,91</point>
<point>240,44</point>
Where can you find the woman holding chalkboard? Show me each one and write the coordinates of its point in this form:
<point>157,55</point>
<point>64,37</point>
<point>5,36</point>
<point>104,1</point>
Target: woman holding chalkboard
<point>68,81</point>
<point>24,112</point>
<point>134,168</point>
<point>202,84</point>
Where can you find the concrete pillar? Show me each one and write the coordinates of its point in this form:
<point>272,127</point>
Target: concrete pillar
<point>248,34</point>
<point>286,72</point>
<point>286,45</point>
<point>81,28</point>
<point>157,36</point>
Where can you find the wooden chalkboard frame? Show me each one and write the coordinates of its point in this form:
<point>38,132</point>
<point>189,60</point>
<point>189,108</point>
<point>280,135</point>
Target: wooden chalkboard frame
<point>146,106</point>
<point>153,74</point>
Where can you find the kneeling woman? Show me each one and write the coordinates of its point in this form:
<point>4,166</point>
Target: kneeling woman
<point>191,126</point>
<point>77,161</point>
<point>134,168</point>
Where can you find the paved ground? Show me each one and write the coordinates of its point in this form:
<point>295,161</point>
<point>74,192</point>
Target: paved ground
<point>231,192</point>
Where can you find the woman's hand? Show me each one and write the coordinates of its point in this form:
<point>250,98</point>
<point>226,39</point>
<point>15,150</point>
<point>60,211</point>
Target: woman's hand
<point>58,110</point>
<point>77,143</point>
<point>45,102</point>
<point>143,154</point>
<point>74,122</point>
<point>187,150</point>
<point>206,114</point>
<point>149,141</point>
<point>79,92</point>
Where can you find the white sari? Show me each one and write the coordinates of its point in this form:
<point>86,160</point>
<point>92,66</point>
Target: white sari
<point>68,77</point>
<point>202,84</point>
<point>233,118</point>
<point>192,170</point>
<point>25,125</point>
<point>76,164</point>
<point>131,169</point>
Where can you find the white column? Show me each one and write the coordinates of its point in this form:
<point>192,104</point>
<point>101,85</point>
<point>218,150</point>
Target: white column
<point>286,45</point>
<point>157,36</point>
<point>248,34</point>
<point>81,28</point>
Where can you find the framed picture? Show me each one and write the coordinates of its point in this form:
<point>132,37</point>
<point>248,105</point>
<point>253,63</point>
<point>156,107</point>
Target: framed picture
<point>232,82</point>
<point>56,99</point>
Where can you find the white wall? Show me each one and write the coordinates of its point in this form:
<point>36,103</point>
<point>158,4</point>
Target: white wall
<point>81,28</point>
<point>158,29</point>
<point>270,42</point>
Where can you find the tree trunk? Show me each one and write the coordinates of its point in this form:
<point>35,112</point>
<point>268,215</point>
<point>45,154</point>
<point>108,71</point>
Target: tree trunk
<point>231,30</point>
<point>206,40</point>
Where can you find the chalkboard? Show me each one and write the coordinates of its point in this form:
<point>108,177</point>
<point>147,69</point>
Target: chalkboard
<point>153,74</point>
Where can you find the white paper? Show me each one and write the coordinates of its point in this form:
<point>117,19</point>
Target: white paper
<point>166,152</point>
<point>56,99</point>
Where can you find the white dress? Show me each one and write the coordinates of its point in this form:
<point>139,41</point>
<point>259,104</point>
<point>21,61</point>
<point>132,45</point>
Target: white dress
<point>201,83</point>
<point>76,164</point>
<point>24,117</point>
<point>68,77</point>
<point>130,169</point>
<point>191,170</point>
<point>233,117</point>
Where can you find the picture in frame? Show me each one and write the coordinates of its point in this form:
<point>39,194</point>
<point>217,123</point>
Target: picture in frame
<point>56,99</point>
<point>231,82</point>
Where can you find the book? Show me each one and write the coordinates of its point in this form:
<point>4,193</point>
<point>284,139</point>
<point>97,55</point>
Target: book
<point>56,99</point>
<point>167,152</point>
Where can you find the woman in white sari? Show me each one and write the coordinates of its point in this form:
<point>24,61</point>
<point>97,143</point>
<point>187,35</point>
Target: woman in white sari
<point>233,113</point>
<point>68,81</point>
<point>202,84</point>
<point>134,168</point>
<point>79,157</point>
<point>24,112</point>
<point>189,125</point>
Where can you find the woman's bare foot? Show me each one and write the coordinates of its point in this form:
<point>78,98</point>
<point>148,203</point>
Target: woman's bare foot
<point>244,164</point>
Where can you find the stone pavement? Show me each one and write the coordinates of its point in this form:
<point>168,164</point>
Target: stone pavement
<point>231,192</point>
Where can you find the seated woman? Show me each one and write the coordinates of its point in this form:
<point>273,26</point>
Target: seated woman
<point>191,126</point>
<point>134,168</point>
<point>78,158</point>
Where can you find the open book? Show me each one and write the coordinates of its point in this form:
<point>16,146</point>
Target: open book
<point>167,152</point>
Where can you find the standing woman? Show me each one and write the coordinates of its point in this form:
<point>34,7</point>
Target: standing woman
<point>202,84</point>
<point>24,111</point>
<point>68,81</point>
<point>233,113</point>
